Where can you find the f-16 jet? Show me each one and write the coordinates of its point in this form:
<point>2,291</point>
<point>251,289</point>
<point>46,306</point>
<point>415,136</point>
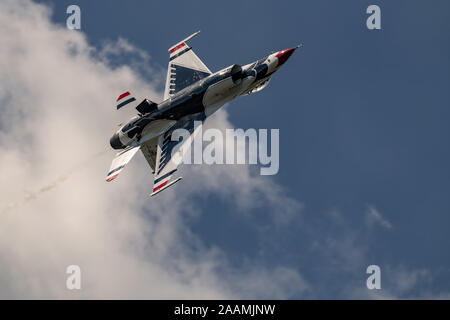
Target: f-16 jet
<point>192,93</point>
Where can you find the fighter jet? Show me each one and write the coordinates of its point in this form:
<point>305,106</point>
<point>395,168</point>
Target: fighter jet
<point>192,93</point>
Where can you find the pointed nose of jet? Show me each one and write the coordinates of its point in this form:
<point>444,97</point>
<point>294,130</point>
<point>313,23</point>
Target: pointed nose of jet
<point>283,55</point>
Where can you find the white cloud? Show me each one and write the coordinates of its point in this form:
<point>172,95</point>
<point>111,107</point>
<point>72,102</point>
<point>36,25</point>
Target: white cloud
<point>57,111</point>
<point>373,217</point>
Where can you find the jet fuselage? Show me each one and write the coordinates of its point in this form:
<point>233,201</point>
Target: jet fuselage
<point>203,97</point>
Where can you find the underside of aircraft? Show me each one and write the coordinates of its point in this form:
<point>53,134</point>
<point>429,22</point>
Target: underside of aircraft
<point>192,93</point>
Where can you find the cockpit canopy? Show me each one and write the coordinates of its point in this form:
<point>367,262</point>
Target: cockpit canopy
<point>130,124</point>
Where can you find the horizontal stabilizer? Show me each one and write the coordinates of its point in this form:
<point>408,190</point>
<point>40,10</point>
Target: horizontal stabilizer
<point>164,186</point>
<point>119,162</point>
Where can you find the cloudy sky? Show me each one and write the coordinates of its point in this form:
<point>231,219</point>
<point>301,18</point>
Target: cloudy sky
<point>364,156</point>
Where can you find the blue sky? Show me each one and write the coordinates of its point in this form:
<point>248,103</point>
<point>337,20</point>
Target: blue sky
<point>363,126</point>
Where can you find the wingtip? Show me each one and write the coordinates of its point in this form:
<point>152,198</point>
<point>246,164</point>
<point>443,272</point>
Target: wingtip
<point>166,186</point>
<point>184,41</point>
<point>109,179</point>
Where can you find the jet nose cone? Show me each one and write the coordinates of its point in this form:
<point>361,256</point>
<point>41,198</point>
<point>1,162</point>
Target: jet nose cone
<point>115,142</point>
<point>283,55</point>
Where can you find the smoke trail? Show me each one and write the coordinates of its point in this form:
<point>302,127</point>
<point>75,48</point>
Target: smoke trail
<point>30,195</point>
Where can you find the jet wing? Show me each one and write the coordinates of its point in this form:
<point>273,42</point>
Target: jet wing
<point>185,68</point>
<point>119,162</point>
<point>170,153</point>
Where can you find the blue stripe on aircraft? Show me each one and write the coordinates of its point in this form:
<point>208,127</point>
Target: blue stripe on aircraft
<point>164,176</point>
<point>115,170</point>
<point>179,54</point>
<point>125,102</point>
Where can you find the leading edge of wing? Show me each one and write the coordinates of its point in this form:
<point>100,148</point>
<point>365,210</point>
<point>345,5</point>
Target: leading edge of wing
<point>178,45</point>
